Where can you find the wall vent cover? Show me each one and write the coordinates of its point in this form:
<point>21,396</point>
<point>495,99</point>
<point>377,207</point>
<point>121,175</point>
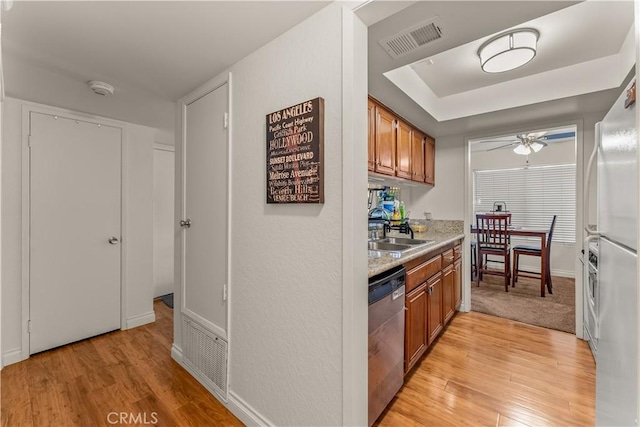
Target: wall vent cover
<point>410,39</point>
<point>206,354</point>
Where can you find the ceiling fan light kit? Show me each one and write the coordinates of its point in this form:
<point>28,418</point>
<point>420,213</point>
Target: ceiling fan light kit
<point>508,51</point>
<point>523,149</point>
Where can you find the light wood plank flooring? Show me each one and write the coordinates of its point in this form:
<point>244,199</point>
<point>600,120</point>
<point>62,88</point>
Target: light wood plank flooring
<point>489,371</point>
<point>125,371</point>
<point>483,370</point>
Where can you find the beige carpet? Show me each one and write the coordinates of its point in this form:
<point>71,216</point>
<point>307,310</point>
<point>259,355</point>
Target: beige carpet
<point>524,304</point>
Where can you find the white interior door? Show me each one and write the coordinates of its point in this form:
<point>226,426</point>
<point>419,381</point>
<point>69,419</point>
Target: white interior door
<point>163,221</point>
<point>205,205</point>
<point>75,204</point>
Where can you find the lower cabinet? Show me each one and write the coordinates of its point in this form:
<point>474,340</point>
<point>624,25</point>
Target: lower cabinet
<point>415,324</point>
<point>434,291</point>
<point>448,293</point>
<point>457,282</point>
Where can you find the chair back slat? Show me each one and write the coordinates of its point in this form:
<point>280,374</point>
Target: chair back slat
<point>550,236</point>
<point>493,230</point>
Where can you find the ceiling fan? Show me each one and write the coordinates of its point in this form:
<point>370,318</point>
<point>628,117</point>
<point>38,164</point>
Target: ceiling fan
<point>527,143</point>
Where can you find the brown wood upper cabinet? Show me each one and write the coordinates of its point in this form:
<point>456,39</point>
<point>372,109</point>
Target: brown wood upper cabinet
<point>372,136</point>
<point>403,150</point>
<point>396,148</point>
<point>430,161</point>
<point>385,142</point>
<point>417,155</point>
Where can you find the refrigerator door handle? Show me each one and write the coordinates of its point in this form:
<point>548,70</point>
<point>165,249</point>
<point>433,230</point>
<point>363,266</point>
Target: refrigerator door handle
<point>585,195</point>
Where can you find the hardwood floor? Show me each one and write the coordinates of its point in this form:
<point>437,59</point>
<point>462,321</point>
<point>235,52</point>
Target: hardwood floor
<point>129,373</point>
<point>483,370</point>
<point>490,371</point>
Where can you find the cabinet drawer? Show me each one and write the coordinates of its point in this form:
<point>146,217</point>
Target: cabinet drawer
<point>447,257</point>
<point>457,251</point>
<point>421,273</point>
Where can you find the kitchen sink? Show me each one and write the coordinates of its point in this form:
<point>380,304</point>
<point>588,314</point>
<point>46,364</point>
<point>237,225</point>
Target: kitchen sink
<point>386,246</point>
<point>404,241</point>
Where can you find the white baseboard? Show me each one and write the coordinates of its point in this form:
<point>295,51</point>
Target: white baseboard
<point>176,353</point>
<point>141,319</point>
<point>238,407</point>
<point>12,356</point>
<point>564,273</point>
<point>248,415</point>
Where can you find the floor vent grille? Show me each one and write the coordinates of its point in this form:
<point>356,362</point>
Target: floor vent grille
<point>205,353</point>
<point>412,38</point>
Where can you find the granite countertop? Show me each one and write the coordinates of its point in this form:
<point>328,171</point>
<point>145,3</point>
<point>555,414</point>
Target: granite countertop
<point>442,234</point>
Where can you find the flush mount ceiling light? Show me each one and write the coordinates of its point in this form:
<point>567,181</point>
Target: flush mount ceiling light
<point>508,51</point>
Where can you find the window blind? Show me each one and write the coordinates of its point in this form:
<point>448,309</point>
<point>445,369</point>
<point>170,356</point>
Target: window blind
<point>533,196</point>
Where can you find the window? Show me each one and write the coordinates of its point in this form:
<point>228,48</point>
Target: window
<point>533,196</point>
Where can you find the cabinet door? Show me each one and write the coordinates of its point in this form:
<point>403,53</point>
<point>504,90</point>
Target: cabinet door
<point>430,161</point>
<point>385,142</point>
<point>417,156</point>
<point>448,297</point>
<point>415,333</point>
<point>372,136</point>
<point>434,296</point>
<point>403,150</point>
<point>457,282</point>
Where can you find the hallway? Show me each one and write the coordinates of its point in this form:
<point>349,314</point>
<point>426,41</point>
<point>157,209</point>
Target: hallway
<point>94,382</point>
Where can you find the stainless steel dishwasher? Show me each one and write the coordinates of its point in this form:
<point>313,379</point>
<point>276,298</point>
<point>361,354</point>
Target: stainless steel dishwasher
<point>386,339</point>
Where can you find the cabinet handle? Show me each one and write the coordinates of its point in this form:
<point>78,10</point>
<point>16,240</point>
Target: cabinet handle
<point>406,309</point>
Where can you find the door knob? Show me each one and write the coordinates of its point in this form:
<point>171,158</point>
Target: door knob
<point>185,223</point>
<point>113,240</point>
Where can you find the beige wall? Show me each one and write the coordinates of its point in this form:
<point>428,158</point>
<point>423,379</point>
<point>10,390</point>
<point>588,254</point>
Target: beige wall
<point>298,310</point>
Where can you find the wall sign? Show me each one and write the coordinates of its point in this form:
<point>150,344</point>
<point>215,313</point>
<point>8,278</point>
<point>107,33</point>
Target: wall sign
<point>295,153</point>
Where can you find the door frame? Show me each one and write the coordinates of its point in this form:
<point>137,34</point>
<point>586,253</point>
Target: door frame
<point>202,91</point>
<point>468,206</point>
<point>27,109</point>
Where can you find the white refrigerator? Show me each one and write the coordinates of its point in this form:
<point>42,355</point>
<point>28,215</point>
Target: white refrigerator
<point>617,380</point>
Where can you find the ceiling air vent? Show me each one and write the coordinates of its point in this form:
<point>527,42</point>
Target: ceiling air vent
<point>412,38</point>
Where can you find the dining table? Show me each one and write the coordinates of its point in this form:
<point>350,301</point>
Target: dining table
<point>514,230</point>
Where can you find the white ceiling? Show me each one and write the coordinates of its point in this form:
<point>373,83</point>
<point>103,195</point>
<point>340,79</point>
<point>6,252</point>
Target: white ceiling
<point>149,50</point>
<point>466,24</point>
<point>570,36</point>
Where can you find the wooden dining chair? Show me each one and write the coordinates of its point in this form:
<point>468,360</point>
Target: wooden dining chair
<point>534,251</point>
<point>493,239</point>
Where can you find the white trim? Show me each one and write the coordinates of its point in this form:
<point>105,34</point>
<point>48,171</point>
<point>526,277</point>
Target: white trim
<point>468,221</point>
<point>245,412</point>
<point>141,319</point>
<point>212,327</point>
<point>210,86</point>
<point>176,353</point>
<point>164,147</point>
<point>26,190</point>
<point>229,221</point>
<point>27,109</point>
<point>12,356</point>
<point>354,175</point>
